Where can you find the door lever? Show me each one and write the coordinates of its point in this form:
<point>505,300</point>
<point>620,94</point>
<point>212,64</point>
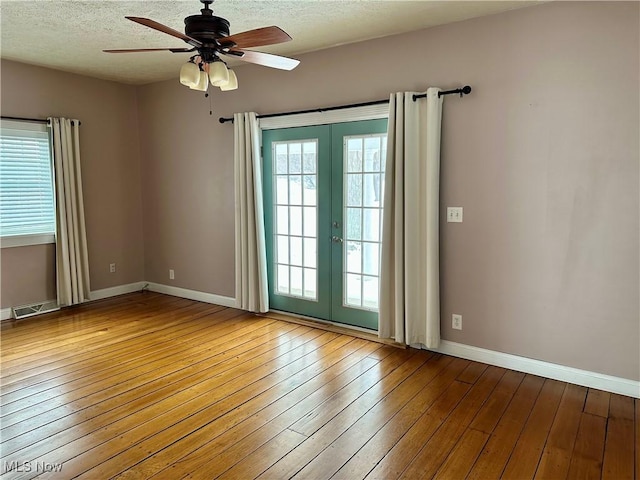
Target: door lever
<point>336,239</point>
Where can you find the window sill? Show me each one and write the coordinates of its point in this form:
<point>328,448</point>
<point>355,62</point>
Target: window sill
<point>26,240</point>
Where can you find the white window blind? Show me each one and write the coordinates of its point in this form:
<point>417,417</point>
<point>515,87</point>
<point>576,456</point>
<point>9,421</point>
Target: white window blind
<point>26,185</point>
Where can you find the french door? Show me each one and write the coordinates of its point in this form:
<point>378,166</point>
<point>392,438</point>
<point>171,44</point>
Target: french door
<point>323,219</point>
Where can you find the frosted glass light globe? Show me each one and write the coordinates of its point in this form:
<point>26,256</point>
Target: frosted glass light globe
<point>189,74</point>
<point>232,84</point>
<point>218,73</point>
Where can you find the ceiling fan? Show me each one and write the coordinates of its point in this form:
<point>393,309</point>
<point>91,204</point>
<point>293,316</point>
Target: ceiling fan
<point>209,37</point>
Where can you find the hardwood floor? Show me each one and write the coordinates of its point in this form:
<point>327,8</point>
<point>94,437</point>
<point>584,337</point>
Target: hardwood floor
<point>153,386</point>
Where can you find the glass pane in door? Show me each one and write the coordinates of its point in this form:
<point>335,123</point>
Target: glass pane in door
<point>364,160</point>
<point>295,218</point>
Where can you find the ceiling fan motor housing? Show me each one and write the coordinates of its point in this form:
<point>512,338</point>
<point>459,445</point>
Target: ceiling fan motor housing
<point>206,28</point>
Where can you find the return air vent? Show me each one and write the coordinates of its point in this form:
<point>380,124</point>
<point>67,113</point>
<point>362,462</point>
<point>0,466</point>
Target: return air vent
<point>25,311</point>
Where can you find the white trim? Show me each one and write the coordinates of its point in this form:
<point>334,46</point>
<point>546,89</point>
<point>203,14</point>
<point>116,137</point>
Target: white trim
<point>323,118</point>
<point>6,314</point>
<point>585,378</point>
<point>26,240</point>
<point>118,290</point>
<point>194,295</point>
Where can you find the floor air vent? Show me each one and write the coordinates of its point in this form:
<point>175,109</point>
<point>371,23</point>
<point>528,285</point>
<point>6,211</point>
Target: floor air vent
<point>25,311</point>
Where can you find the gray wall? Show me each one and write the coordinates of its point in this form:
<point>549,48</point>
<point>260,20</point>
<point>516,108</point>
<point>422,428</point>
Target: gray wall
<point>543,156</point>
<point>110,160</point>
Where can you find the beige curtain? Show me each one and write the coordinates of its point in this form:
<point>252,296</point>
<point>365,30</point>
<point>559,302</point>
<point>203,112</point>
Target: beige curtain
<point>72,259</point>
<point>409,283</point>
<point>251,258</point>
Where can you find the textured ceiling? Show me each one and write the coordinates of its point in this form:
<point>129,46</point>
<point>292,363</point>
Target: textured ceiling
<point>70,35</point>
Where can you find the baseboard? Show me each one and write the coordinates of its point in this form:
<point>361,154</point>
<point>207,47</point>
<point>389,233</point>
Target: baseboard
<point>117,290</point>
<point>194,295</point>
<point>585,378</point>
<point>6,313</point>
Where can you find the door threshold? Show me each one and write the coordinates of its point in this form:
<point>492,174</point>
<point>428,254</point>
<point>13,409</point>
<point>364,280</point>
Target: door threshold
<point>330,327</point>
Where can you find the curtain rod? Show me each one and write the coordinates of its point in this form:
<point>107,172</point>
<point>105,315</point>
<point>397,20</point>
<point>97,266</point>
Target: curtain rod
<point>462,91</point>
<point>34,120</point>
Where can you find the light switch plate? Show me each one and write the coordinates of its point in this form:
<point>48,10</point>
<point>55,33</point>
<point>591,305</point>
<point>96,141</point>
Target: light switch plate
<point>454,214</point>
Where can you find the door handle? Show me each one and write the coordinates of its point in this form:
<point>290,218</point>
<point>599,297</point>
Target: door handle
<point>336,239</point>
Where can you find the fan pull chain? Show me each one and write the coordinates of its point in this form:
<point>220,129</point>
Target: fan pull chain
<point>210,104</point>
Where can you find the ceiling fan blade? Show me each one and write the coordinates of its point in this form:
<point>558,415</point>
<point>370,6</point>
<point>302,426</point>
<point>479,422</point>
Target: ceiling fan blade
<point>134,50</point>
<point>265,59</point>
<point>164,29</point>
<point>256,38</point>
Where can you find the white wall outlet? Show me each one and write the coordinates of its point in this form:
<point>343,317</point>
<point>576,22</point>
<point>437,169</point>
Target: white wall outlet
<point>454,214</point>
<point>456,321</point>
<point>112,268</point>
<point>172,274</point>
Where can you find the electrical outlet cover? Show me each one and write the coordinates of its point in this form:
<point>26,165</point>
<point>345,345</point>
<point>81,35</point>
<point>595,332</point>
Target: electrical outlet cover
<point>454,214</point>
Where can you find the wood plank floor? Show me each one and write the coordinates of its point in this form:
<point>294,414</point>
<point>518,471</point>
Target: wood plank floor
<point>153,386</point>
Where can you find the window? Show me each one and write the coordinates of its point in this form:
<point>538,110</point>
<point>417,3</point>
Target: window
<point>296,197</point>
<point>27,208</point>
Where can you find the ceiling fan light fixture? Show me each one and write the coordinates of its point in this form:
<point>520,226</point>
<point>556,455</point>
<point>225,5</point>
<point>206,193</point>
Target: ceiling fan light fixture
<point>218,73</point>
<point>203,83</point>
<point>232,84</point>
<point>209,36</point>
<point>189,74</point>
